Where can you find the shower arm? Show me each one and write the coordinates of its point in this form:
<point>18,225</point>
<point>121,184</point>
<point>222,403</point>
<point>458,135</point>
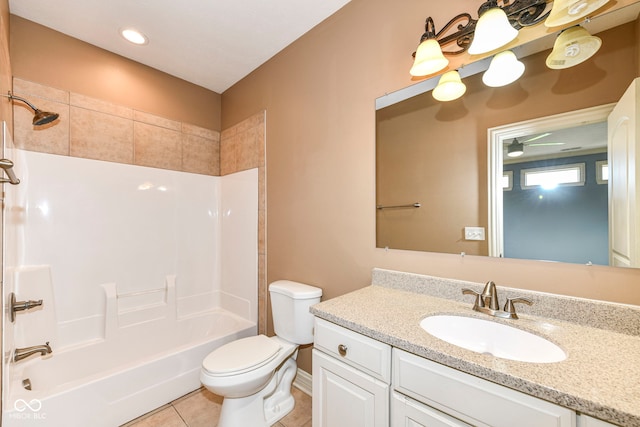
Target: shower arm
<point>12,97</point>
<point>40,117</point>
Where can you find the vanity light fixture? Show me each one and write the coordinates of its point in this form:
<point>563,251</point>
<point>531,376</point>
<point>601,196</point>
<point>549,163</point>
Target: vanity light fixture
<point>503,70</point>
<point>572,47</point>
<point>515,149</point>
<point>449,87</point>
<point>567,11</point>
<point>134,36</point>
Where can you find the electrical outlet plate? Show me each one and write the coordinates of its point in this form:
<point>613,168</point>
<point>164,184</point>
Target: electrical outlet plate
<point>474,233</point>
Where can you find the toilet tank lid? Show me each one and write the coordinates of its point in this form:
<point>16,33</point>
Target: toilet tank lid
<point>295,290</point>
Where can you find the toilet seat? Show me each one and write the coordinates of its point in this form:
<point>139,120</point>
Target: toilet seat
<point>241,356</point>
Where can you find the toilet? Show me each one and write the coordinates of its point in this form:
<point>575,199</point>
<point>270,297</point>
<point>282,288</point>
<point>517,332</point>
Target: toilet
<point>254,375</point>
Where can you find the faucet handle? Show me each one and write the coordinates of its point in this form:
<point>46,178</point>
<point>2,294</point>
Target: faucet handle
<point>16,306</point>
<point>510,308</point>
<point>479,301</point>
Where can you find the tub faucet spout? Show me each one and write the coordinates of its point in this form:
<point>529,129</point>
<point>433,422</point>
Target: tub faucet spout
<point>22,353</point>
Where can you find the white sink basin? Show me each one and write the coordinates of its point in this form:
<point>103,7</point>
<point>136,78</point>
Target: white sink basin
<point>497,339</point>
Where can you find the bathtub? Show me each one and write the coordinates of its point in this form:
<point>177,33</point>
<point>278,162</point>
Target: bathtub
<point>110,382</point>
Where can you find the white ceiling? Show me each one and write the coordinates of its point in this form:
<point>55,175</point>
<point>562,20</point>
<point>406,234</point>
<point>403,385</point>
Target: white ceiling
<point>212,43</point>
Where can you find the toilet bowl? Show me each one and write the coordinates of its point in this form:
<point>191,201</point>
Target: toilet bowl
<point>254,374</point>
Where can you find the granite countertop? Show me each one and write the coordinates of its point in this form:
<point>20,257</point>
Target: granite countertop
<point>600,376</point>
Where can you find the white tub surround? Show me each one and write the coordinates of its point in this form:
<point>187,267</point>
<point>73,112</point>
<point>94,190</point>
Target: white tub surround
<point>600,376</point>
<point>142,272</point>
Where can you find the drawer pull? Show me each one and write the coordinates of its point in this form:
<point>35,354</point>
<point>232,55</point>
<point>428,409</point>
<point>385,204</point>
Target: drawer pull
<point>342,349</point>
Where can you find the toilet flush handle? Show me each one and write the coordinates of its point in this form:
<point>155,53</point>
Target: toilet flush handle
<point>342,349</point>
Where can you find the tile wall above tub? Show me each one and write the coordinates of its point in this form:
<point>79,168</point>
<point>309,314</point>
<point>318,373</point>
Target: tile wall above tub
<point>94,129</point>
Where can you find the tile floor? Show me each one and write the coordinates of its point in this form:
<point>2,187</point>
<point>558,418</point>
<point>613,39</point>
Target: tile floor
<point>201,408</point>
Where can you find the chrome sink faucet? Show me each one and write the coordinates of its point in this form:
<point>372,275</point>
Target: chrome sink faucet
<point>22,353</point>
<point>487,302</point>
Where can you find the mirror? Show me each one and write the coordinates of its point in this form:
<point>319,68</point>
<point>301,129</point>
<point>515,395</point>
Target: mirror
<point>434,155</point>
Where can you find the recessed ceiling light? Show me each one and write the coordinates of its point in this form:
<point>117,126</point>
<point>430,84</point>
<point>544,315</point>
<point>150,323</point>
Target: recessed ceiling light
<point>134,36</point>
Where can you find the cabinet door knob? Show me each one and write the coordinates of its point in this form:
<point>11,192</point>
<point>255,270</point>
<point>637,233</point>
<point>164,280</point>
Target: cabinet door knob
<point>342,349</point>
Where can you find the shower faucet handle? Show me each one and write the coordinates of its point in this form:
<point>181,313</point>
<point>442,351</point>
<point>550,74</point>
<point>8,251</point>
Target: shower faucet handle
<point>21,306</point>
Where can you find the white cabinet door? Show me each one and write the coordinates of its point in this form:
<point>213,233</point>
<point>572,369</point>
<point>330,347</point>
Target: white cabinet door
<point>624,180</point>
<point>407,412</point>
<point>346,397</point>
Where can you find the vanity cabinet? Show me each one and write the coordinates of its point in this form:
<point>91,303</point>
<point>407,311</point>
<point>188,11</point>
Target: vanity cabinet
<point>361,382</point>
<point>351,378</point>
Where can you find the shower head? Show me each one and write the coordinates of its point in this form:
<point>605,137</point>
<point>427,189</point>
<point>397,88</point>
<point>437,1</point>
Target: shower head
<point>43,117</point>
<point>40,117</point>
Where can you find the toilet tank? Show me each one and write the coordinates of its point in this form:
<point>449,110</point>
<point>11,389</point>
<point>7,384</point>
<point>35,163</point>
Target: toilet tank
<point>290,302</point>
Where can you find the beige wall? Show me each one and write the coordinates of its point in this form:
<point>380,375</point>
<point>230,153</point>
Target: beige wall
<point>319,96</point>
<point>53,59</point>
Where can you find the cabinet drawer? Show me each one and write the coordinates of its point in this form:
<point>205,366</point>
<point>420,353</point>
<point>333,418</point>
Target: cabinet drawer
<point>471,399</point>
<point>364,353</point>
<point>406,412</point>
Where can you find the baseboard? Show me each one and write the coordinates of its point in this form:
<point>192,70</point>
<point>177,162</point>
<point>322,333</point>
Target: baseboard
<point>304,382</point>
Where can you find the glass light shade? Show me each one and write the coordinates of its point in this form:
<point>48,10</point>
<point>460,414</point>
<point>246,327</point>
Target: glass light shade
<point>449,87</point>
<point>429,59</point>
<point>504,69</point>
<point>572,47</point>
<point>493,31</point>
<point>515,149</point>
<point>567,11</point>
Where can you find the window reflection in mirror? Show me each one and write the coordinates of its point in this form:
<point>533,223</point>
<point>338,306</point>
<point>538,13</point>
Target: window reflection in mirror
<point>556,203</point>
